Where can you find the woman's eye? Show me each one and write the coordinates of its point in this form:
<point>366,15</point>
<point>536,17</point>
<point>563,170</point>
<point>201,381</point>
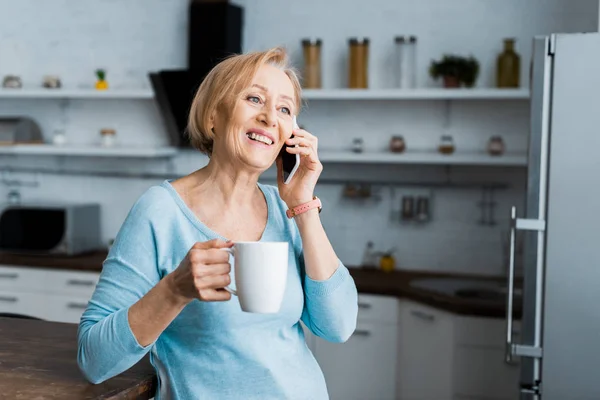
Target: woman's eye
<point>286,110</point>
<point>254,99</point>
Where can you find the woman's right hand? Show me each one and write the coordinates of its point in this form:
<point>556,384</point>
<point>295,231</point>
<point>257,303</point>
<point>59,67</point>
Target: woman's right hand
<point>204,273</point>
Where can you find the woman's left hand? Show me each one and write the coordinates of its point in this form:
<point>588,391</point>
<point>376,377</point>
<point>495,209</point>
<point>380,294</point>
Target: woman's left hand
<point>302,186</point>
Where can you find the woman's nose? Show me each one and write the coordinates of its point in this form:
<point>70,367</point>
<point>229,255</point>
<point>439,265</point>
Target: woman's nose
<point>268,117</point>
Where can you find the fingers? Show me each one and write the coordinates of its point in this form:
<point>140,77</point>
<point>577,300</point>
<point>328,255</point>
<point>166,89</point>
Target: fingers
<point>212,281</point>
<point>201,270</point>
<point>208,256</point>
<point>302,142</point>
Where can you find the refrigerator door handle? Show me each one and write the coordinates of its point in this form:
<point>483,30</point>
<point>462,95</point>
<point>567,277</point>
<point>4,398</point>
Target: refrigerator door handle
<point>512,349</point>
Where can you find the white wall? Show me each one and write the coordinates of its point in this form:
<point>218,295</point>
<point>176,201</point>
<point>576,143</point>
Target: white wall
<point>132,37</point>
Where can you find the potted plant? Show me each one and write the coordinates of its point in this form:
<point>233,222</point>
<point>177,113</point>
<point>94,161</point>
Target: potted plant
<point>455,70</point>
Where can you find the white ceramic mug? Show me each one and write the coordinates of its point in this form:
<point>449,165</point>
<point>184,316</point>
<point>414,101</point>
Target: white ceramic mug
<point>260,271</point>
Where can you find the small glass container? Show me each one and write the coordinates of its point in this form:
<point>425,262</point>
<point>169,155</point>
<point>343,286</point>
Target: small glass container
<point>496,146</point>
<point>358,65</point>
<point>357,145</point>
<point>422,208</point>
<point>59,138</point>
<point>311,49</point>
<point>397,144</point>
<point>446,145</point>
<point>408,208</point>
<point>108,137</point>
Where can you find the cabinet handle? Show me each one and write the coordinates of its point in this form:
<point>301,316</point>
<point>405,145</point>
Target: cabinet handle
<point>9,275</point>
<point>361,332</point>
<point>422,315</point>
<point>77,282</point>
<point>364,305</point>
<point>7,299</point>
<point>77,306</point>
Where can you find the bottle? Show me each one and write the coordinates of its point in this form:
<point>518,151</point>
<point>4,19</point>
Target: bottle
<point>508,66</point>
<point>405,55</point>
<point>368,260</point>
<point>358,66</point>
<point>312,63</point>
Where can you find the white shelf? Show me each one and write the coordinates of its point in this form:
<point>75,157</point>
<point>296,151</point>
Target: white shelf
<point>88,151</point>
<point>66,93</point>
<point>416,94</point>
<point>422,157</point>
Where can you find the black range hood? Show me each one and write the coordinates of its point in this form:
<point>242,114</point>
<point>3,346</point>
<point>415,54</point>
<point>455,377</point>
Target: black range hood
<point>214,32</point>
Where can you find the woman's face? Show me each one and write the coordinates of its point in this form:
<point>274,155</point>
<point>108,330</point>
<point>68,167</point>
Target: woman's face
<point>260,123</point>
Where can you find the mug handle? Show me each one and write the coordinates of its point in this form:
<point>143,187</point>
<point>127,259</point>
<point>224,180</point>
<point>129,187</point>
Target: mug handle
<point>230,290</point>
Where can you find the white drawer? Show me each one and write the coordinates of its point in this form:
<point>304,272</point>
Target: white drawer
<point>75,283</point>
<point>66,308</point>
<point>378,308</point>
<point>22,278</point>
<point>30,304</point>
<point>48,280</point>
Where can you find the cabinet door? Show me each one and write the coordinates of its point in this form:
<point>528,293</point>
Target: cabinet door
<point>362,368</point>
<point>425,353</point>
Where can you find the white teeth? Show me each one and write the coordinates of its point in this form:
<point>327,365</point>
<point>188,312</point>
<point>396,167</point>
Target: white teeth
<point>260,138</point>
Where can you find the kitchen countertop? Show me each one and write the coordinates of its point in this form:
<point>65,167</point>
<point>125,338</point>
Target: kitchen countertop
<point>481,295</point>
<point>38,360</point>
<point>432,288</point>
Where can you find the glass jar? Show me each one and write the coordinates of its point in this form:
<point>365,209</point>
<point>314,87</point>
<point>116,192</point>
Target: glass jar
<point>311,49</point>
<point>397,144</point>
<point>108,137</point>
<point>358,65</point>
<point>406,61</point>
<point>508,66</point>
<point>446,145</point>
<point>496,146</point>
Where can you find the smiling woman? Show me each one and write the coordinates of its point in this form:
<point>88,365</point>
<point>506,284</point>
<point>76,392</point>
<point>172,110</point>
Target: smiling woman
<point>164,285</point>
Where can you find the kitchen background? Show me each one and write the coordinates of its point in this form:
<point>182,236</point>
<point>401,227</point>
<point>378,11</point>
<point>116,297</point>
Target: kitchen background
<point>130,38</point>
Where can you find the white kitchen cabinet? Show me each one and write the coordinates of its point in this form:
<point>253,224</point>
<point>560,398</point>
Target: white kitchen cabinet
<point>364,367</point>
<point>425,352</point>
<point>46,293</point>
<point>445,356</point>
<point>480,371</point>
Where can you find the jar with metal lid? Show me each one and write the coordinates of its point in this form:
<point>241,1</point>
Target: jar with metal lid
<point>108,137</point>
<point>311,77</point>
<point>496,146</point>
<point>358,64</point>
<point>446,145</point>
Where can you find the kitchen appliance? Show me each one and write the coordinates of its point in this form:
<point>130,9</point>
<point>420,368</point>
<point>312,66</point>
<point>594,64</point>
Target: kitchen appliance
<point>214,32</point>
<point>66,229</point>
<point>558,345</point>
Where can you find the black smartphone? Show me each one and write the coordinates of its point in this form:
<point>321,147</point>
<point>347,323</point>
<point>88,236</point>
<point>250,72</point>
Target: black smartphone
<point>290,162</point>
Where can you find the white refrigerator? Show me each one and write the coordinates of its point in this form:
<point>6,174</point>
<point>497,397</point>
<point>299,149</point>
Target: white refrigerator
<point>559,345</point>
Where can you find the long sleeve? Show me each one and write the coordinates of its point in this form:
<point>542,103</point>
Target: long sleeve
<point>106,344</point>
<point>331,306</point>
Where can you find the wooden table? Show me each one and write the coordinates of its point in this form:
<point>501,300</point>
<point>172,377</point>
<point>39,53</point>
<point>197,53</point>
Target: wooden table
<point>38,360</point>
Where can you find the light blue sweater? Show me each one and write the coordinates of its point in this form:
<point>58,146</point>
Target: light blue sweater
<point>212,350</point>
